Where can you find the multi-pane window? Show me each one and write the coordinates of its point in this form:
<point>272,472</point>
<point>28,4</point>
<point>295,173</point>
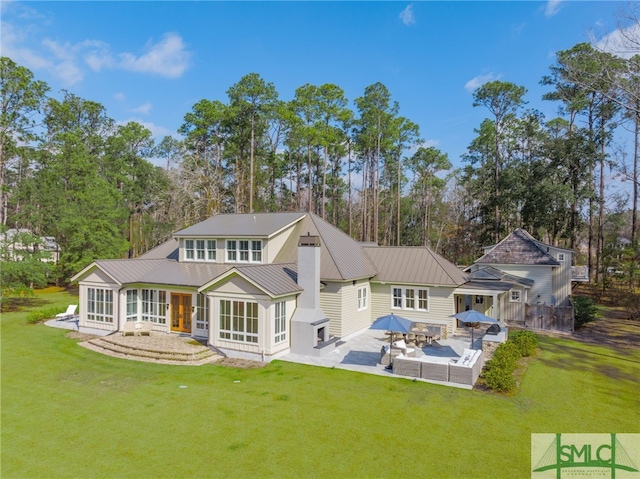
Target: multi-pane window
<point>154,306</point>
<point>202,311</point>
<point>211,250</point>
<point>199,250</point>
<point>132,305</point>
<point>423,300</point>
<point>479,299</point>
<point>100,305</point>
<point>362,298</point>
<point>239,321</point>
<point>281,322</point>
<point>515,296</point>
<point>413,299</point>
<point>397,297</point>
<point>244,251</point>
<point>561,257</point>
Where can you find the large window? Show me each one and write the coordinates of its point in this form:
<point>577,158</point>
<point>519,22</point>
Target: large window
<point>362,298</point>
<point>202,312</point>
<point>200,250</point>
<point>154,306</point>
<point>281,322</point>
<point>244,251</point>
<point>412,299</point>
<point>100,305</point>
<point>239,321</point>
<point>132,305</point>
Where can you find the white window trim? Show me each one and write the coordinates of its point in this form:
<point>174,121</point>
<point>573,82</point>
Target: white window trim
<point>154,306</point>
<point>194,248</point>
<point>363,298</point>
<point>519,300</point>
<point>254,249</point>
<point>280,323</point>
<point>202,312</point>
<point>561,257</point>
<point>254,335</point>
<point>100,305</point>
<point>416,298</point>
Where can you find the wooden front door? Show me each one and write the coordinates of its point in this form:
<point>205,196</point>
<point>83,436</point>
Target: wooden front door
<point>181,312</point>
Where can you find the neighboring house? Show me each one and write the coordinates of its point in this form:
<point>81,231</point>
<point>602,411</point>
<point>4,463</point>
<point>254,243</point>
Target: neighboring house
<point>541,273</point>
<point>262,285</point>
<point>15,244</point>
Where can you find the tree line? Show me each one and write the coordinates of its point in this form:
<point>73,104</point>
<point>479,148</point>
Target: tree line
<point>107,190</point>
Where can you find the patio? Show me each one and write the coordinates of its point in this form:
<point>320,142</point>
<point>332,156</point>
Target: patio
<point>361,352</point>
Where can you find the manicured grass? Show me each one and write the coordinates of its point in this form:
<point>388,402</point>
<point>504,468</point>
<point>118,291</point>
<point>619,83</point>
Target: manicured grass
<point>70,412</point>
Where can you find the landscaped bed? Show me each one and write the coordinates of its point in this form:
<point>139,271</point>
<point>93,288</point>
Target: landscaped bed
<point>70,412</point>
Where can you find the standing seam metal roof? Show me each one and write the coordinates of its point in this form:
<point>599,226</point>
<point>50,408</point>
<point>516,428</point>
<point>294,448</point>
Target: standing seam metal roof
<point>414,265</point>
<point>252,225</point>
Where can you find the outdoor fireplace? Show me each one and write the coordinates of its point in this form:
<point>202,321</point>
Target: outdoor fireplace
<point>309,324</point>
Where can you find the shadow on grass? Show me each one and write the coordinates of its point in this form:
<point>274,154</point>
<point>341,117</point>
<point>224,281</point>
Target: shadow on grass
<point>566,356</point>
<point>15,305</point>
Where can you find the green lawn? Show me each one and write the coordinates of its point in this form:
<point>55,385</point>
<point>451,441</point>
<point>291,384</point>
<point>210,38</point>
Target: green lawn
<point>70,412</point>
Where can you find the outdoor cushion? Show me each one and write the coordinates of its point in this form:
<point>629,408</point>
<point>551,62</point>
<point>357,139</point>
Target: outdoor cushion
<point>400,344</point>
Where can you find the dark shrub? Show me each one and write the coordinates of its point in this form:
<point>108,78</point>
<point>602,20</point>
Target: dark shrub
<point>500,378</point>
<point>585,310</point>
<point>525,341</point>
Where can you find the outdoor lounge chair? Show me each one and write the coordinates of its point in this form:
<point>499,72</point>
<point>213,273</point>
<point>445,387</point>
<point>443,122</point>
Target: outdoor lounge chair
<point>68,314</point>
<point>129,328</point>
<point>468,373</point>
<point>146,328</point>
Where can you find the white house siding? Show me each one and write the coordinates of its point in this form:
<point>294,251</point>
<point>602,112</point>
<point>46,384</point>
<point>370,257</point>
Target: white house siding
<point>561,287</point>
<point>271,347</point>
<point>98,279</point>
<point>272,247</point>
<point>331,305</point>
<point>352,319</point>
<point>237,288</point>
<point>539,274</point>
<point>513,311</point>
<point>441,305</point>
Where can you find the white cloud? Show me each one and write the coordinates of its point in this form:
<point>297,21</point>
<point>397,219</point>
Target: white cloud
<point>156,131</point>
<point>552,7</point>
<point>431,143</point>
<point>517,29</point>
<point>480,80</point>
<point>119,96</point>
<point>407,16</point>
<point>624,43</point>
<point>168,58</point>
<point>143,109</point>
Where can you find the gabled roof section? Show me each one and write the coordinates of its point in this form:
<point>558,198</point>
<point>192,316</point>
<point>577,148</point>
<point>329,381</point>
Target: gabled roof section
<point>247,225</point>
<point>414,265</point>
<point>490,273</point>
<point>341,257</point>
<point>166,250</point>
<point>518,248</point>
<point>122,270</point>
<point>274,279</point>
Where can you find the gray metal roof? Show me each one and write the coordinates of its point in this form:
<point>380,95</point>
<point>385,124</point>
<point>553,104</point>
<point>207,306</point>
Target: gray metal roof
<point>341,257</point>
<point>518,248</point>
<point>494,274</point>
<point>276,279</point>
<point>166,250</point>
<point>128,270</point>
<point>248,225</point>
<point>487,285</point>
<point>414,265</point>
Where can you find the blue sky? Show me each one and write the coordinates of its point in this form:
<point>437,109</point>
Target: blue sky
<point>151,61</point>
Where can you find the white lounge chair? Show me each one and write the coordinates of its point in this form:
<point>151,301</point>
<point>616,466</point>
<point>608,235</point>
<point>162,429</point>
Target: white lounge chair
<point>129,328</point>
<point>146,328</point>
<point>68,314</point>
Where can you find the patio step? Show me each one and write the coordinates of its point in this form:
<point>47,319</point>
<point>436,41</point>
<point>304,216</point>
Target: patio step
<point>178,353</point>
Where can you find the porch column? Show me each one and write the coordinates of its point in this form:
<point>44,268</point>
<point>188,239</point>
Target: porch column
<point>496,314</point>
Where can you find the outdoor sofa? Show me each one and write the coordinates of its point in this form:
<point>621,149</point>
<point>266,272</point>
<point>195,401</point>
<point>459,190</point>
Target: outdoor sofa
<point>464,370</point>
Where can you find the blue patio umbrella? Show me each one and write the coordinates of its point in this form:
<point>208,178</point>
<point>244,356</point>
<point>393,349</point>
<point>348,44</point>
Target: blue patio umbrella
<point>471,316</point>
<point>394,324</point>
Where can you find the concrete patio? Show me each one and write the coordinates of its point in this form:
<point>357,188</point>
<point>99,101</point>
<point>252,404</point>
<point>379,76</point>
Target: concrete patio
<point>361,352</point>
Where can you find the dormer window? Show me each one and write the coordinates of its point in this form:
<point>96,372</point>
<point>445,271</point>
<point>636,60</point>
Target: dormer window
<point>200,250</point>
<point>244,251</point>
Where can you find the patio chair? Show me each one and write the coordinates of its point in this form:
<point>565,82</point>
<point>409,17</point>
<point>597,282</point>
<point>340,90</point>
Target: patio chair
<point>68,314</point>
<point>129,328</point>
<point>146,328</point>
